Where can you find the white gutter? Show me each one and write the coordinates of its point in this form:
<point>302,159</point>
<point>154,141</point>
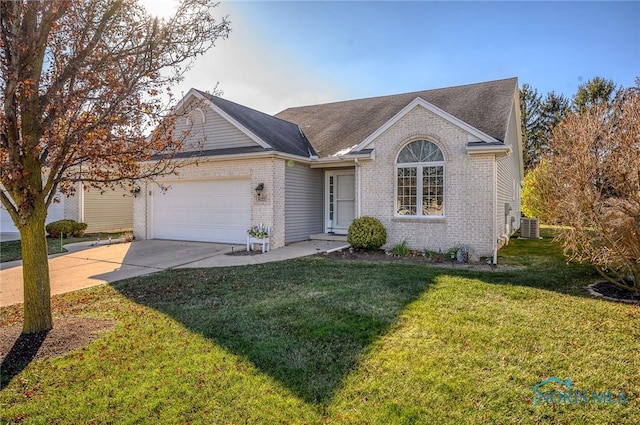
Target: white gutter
<point>498,150</point>
<point>359,188</point>
<point>340,161</point>
<point>234,156</point>
<point>495,213</point>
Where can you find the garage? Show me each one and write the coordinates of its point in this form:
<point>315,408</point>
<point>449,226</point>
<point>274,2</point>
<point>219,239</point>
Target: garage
<point>202,210</point>
<point>108,211</point>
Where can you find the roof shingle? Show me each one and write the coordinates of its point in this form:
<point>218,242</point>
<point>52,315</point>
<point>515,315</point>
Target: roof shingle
<point>281,135</point>
<point>333,127</point>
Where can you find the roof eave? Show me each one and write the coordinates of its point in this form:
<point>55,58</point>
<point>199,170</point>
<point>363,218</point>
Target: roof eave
<point>342,160</point>
<point>247,155</point>
<point>418,101</point>
<point>497,150</point>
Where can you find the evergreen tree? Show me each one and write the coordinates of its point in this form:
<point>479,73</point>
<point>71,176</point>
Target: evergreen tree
<point>532,125</point>
<point>555,108</point>
<point>596,92</point>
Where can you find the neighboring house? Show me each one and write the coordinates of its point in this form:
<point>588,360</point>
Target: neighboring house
<point>439,168</point>
<point>55,213</point>
<point>110,211</point>
<point>107,210</point>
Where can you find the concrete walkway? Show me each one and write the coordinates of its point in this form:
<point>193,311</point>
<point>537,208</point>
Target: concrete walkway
<point>86,265</point>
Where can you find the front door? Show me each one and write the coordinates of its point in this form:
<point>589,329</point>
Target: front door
<point>340,201</point>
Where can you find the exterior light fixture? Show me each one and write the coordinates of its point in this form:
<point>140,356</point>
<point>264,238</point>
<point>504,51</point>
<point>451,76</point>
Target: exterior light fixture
<point>259,189</point>
<point>136,191</point>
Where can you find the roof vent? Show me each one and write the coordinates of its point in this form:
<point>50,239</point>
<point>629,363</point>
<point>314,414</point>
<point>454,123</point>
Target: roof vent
<point>530,228</point>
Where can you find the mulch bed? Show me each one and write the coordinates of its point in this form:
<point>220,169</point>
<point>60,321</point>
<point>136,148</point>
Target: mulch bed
<point>238,252</point>
<point>414,258</point>
<point>611,292</point>
<point>68,334</point>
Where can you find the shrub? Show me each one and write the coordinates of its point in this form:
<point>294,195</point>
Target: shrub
<point>537,201</point>
<point>596,188</point>
<point>452,253</point>
<point>436,257</point>
<point>400,249</point>
<point>66,227</point>
<point>367,233</point>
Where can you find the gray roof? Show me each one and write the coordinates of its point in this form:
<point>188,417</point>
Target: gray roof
<point>281,135</point>
<point>333,127</point>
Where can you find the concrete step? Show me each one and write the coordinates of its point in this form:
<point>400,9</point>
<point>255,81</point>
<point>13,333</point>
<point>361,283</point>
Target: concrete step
<point>328,237</point>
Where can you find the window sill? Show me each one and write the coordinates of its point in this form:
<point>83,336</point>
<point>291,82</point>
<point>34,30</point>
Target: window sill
<point>422,219</point>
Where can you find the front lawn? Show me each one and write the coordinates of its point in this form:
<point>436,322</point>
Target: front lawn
<point>12,250</point>
<point>318,340</point>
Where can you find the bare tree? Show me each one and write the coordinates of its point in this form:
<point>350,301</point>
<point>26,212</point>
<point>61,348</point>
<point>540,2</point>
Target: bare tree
<point>81,81</point>
<point>596,185</point>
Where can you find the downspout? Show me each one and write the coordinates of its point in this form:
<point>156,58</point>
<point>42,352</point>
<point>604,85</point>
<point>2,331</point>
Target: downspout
<point>358,189</point>
<point>146,200</point>
<point>494,187</point>
<point>81,200</point>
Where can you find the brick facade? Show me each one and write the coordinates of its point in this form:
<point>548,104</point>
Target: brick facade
<point>267,209</point>
<point>469,187</point>
<point>72,204</point>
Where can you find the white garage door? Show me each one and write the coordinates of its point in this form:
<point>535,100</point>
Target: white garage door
<point>206,211</point>
<point>55,213</point>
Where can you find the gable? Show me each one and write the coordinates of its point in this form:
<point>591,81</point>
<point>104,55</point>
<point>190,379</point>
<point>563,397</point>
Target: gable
<point>270,132</point>
<point>418,123</point>
<point>473,133</point>
<point>334,127</point>
<point>218,126</point>
<point>208,130</point>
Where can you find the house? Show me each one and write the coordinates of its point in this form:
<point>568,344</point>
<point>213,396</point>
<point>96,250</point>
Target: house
<point>108,211</point>
<point>439,168</point>
<point>54,213</point>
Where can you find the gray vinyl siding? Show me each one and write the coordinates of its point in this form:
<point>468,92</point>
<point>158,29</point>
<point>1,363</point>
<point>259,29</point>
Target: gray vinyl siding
<point>504,194</point>
<point>304,202</point>
<point>109,211</point>
<point>508,184</point>
<point>214,133</point>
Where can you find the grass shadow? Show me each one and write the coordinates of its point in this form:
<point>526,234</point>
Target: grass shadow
<point>308,322</point>
<point>304,322</point>
<point>22,353</point>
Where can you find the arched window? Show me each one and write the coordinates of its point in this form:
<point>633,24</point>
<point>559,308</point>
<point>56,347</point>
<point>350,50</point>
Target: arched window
<point>194,117</point>
<point>420,180</point>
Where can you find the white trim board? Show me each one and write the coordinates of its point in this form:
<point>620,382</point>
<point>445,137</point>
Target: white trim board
<point>418,101</point>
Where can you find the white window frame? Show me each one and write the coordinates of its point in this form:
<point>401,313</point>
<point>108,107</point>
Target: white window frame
<point>419,166</point>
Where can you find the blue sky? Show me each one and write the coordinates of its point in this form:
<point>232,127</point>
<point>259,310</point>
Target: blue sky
<point>284,54</point>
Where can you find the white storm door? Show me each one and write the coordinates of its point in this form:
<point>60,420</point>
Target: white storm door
<point>341,194</point>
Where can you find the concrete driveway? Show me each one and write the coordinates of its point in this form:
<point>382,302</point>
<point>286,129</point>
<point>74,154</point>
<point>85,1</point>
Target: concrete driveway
<point>85,266</point>
<point>108,263</point>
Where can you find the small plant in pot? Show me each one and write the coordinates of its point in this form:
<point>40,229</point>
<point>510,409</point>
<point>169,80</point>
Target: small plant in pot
<point>258,232</point>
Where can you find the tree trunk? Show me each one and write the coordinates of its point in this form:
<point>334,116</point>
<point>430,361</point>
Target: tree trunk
<point>35,269</point>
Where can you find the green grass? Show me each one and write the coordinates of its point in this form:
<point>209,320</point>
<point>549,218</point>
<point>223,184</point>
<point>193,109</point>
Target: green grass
<point>317,341</point>
<point>11,250</point>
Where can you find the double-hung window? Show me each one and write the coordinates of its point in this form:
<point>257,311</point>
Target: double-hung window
<point>420,180</point>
